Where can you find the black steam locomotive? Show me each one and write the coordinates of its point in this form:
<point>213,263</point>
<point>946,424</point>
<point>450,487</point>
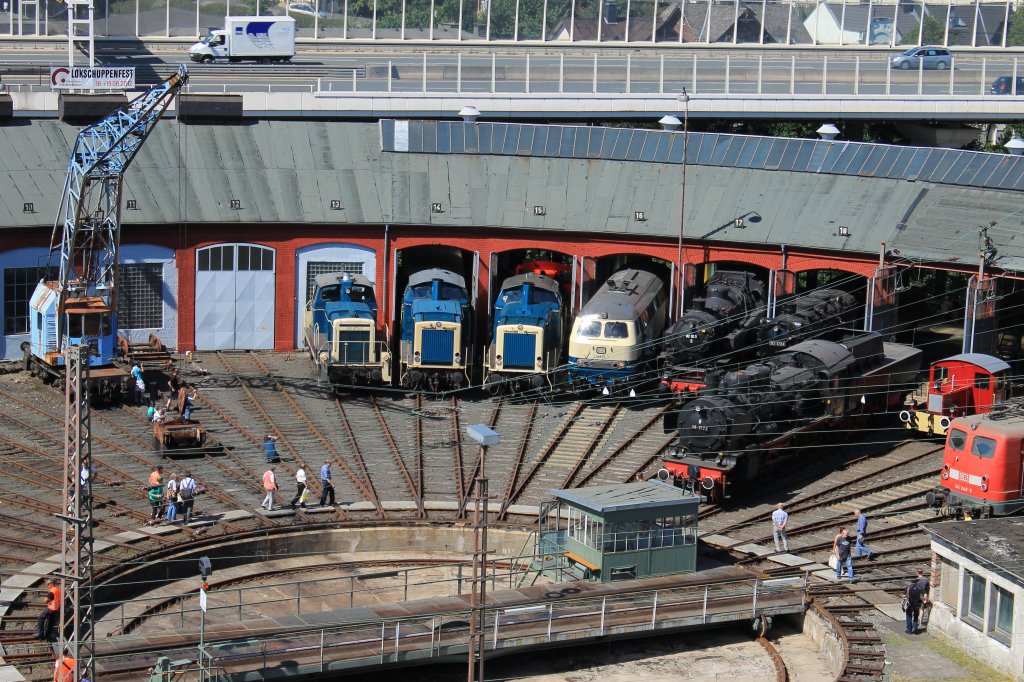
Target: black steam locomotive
<point>806,316</point>
<point>720,322</point>
<point>749,420</point>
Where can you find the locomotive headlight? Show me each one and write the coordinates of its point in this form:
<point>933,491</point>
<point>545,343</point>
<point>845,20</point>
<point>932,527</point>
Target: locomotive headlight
<point>620,365</point>
<point>458,356</point>
<point>437,325</point>
<point>416,356</point>
<point>519,328</point>
<point>497,360</point>
<point>984,487</point>
<point>945,475</point>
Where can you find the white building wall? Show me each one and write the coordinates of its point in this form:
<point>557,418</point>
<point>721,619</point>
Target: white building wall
<point>966,635</point>
<point>10,346</point>
<point>150,253</point>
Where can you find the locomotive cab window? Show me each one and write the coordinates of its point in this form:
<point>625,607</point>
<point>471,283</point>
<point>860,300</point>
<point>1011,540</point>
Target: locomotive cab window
<point>357,293</point>
<point>331,294</point>
<point>590,329</point>
<point>941,375</point>
<point>981,381</point>
<point>543,296</point>
<point>983,447</point>
<point>957,440</point>
<point>616,330</point>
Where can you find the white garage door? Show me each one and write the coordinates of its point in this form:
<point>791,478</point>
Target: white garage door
<point>234,297</point>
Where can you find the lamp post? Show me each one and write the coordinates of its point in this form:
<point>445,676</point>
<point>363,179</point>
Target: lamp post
<point>684,99</point>
<point>485,436</point>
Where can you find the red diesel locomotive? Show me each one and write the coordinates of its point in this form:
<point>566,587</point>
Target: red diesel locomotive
<point>982,474</point>
<point>958,386</point>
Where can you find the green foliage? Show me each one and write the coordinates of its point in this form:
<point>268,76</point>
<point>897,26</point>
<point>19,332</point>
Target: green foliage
<point>1015,35</point>
<point>934,33</point>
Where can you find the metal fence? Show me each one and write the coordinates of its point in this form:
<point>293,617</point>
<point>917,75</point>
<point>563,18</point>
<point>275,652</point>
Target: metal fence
<point>786,22</point>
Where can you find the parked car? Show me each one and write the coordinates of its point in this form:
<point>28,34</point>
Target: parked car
<point>305,8</point>
<point>1004,86</point>
<point>923,57</point>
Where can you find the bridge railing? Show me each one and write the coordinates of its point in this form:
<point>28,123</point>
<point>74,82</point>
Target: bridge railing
<point>443,634</point>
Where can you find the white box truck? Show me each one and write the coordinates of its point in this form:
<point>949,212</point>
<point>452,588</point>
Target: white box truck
<point>260,39</point>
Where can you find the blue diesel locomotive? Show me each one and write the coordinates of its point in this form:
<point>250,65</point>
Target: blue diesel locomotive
<point>436,331</point>
<point>528,328</point>
<point>614,336</point>
<point>342,334</point>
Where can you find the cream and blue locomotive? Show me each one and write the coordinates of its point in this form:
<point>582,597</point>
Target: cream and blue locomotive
<point>342,333</point>
<point>436,342</point>
<point>615,335</point>
<point>527,331</point>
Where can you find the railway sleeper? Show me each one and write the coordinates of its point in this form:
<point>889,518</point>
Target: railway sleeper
<point>869,669</point>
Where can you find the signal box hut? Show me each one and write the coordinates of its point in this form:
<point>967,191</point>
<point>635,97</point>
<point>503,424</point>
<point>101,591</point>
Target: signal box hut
<point>620,532</point>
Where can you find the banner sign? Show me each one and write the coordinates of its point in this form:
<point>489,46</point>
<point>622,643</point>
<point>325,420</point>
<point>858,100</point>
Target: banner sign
<point>86,78</point>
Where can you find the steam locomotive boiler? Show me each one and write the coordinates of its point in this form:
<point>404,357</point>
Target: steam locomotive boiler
<point>806,316</point>
<point>749,420</point>
<point>720,321</point>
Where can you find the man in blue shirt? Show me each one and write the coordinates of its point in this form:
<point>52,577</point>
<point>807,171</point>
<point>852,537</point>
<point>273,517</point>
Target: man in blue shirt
<point>326,483</point>
<point>862,532</point>
<point>270,448</point>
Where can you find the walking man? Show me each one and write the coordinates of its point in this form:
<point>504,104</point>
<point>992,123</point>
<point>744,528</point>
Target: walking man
<point>51,612</point>
<point>300,487</point>
<point>326,483</point>
<point>915,597</point>
<point>187,493</point>
<point>862,532</point>
<point>173,386</point>
<point>779,520</point>
<point>841,548</point>
<point>270,485</point>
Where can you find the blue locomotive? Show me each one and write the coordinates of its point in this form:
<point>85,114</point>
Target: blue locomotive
<point>436,331</point>
<point>527,331</point>
<point>614,336</point>
<point>342,334</point>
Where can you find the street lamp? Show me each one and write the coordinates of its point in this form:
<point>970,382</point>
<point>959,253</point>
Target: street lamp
<point>827,132</point>
<point>485,436</point>
<point>684,99</point>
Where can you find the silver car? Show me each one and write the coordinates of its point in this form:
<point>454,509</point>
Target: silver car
<point>923,57</point>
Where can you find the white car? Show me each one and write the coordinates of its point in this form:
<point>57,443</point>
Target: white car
<point>305,8</point>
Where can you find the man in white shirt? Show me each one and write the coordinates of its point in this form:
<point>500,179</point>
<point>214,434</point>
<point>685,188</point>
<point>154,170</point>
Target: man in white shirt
<point>187,491</point>
<point>300,486</point>
<point>779,520</point>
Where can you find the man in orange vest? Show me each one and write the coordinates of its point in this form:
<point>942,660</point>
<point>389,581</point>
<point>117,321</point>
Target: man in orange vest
<point>49,615</point>
<point>64,669</point>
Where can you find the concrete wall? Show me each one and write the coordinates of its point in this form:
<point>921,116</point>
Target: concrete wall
<point>978,643</point>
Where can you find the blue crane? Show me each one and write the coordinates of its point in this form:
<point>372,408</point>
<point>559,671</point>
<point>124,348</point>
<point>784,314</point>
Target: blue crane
<point>80,306</point>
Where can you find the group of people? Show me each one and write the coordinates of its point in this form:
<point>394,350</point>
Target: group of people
<point>271,487</point>
<point>845,548</point>
<point>181,396</point>
<point>166,499</point>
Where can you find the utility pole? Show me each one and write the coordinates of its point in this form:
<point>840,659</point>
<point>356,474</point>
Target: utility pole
<point>76,638</point>
<point>478,597</point>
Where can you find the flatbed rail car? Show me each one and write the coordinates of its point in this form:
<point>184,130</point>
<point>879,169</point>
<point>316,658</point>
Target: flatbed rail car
<point>957,386</point>
<point>180,437</point>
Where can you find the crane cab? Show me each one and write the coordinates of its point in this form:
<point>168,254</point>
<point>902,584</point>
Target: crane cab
<point>86,321</point>
<point>958,386</point>
<point>89,321</point>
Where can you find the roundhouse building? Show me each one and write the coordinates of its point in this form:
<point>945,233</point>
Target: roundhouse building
<point>226,224</point>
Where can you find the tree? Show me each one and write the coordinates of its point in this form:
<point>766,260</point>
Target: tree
<point>934,33</point>
<point>1015,35</point>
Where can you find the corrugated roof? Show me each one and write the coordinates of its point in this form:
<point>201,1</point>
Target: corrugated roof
<point>603,499</point>
<point>287,172</point>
